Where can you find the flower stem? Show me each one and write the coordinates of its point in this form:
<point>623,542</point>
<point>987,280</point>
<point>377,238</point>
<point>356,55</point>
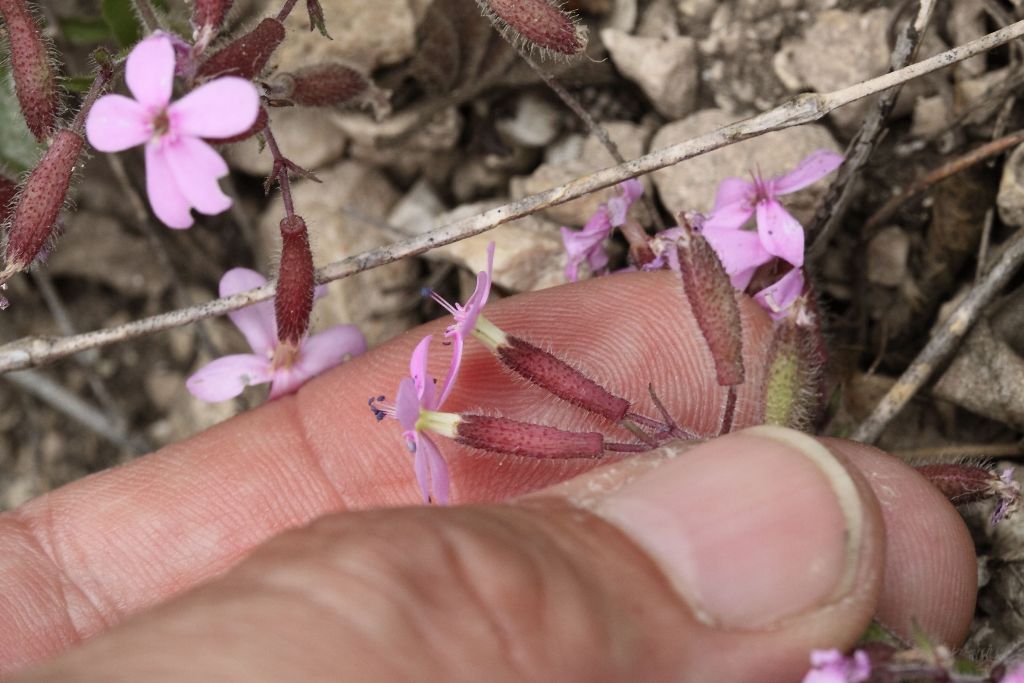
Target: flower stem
<point>147,14</point>
<point>281,170</point>
<point>286,9</point>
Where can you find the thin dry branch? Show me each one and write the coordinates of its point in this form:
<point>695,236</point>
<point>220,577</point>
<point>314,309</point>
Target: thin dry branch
<point>805,108</point>
<point>943,342</point>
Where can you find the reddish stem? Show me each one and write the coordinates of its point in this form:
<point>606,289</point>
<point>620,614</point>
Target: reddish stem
<point>281,170</point>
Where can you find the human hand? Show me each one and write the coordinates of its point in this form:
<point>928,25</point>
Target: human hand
<point>729,562</point>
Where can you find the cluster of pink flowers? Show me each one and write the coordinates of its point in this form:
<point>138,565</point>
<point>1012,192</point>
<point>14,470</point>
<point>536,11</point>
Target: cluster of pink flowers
<point>587,245</point>
<point>182,169</point>
<point>830,666</point>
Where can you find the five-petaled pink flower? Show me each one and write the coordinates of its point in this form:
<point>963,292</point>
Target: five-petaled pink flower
<point>778,233</point>
<point>285,367</point>
<point>416,408</point>
<point>587,244</point>
<point>830,666</point>
<point>181,169</point>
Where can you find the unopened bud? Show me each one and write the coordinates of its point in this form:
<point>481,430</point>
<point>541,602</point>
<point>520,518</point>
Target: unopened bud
<point>329,85</point>
<point>501,435</point>
<point>293,301</point>
<point>257,127</point>
<point>210,14</point>
<point>8,188</point>
<point>791,382</point>
<point>713,303</point>
<point>561,379</point>
<point>31,67</point>
<point>246,56</point>
<point>963,484</point>
<point>536,23</point>
<point>39,203</point>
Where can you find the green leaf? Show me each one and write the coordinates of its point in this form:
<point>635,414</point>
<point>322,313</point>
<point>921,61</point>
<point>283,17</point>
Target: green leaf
<point>18,147</point>
<point>119,16</point>
<point>84,31</point>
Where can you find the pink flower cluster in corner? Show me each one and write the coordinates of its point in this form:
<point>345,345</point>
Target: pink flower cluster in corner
<point>830,666</point>
<point>587,244</point>
<point>285,368</point>
<point>778,234</point>
<point>1015,675</point>
<point>181,169</point>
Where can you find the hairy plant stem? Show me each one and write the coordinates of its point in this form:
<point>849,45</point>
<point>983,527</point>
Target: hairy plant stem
<point>148,15</point>
<point>286,9</point>
<point>281,165</point>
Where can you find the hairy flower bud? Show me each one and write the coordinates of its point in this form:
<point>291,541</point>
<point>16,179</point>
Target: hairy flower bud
<point>31,67</point>
<point>210,14</point>
<point>561,379</point>
<point>246,56</point>
<point>537,23</point>
<point>293,301</point>
<point>8,188</point>
<point>39,203</point>
<point>963,484</point>
<point>331,84</point>
<point>501,435</point>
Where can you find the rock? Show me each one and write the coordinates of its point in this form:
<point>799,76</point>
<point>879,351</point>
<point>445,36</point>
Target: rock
<point>376,300</point>
<point>966,22</point>
<point>986,377</point>
<point>631,140</point>
<point>417,211</point>
<point>370,34</point>
<point>936,113</point>
<point>528,254</point>
<point>659,20</point>
<point>665,69</point>
<point>306,136</point>
<point>697,11</point>
<point>535,122</point>
<point>887,257</point>
<point>691,185</point>
<point>1010,199</point>
<point>92,245</point>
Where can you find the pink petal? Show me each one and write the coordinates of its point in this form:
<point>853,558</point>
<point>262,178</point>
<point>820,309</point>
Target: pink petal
<point>421,466</point>
<point>116,123</point>
<point>256,322</point>
<point>418,372</point>
<point>166,198</point>
<point>813,168</point>
<point>619,206</point>
<point>228,377</point>
<point>407,404</point>
<point>149,71</point>
<point>740,251</point>
<point>437,467</point>
<point>781,234</point>
<point>465,319</point>
<point>734,191</point>
<point>196,167</point>
<point>324,350</point>
<point>285,381</point>
<point>453,369</point>
<point>728,217</point>
<point>777,297</point>
<point>219,109</point>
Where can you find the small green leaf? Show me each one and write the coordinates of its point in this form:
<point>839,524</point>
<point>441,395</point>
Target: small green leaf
<point>84,31</point>
<point>19,150</point>
<point>119,16</point>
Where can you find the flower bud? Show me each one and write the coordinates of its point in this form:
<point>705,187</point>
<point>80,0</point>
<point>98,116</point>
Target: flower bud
<point>246,56</point>
<point>791,383</point>
<point>8,188</point>
<point>536,23</point>
<point>34,80</point>
<point>293,301</point>
<point>210,14</point>
<point>329,85</point>
<point>713,303</point>
<point>561,379</point>
<point>39,203</point>
<point>501,435</point>
<point>963,484</point>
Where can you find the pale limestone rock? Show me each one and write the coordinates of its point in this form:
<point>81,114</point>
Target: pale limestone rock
<point>306,136</point>
<point>664,68</point>
<point>1010,199</point>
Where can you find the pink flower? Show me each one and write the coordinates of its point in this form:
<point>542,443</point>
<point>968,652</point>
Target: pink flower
<point>587,244</point>
<point>777,298</point>
<point>1015,675</point>
<point>778,233</point>
<point>181,169</point>
<point>416,408</point>
<point>830,666</point>
<point>466,316</point>
<point>286,368</point>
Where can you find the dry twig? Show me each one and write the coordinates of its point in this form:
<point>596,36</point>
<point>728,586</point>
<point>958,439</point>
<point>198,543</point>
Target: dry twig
<point>31,351</point>
<point>943,342</point>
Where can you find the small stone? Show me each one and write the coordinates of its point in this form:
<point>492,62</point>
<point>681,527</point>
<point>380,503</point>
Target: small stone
<point>535,122</point>
<point>1010,199</point>
<point>692,184</point>
<point>306,136</point>
<point>966,22</point>
<point>697,10</point>
<point>417,211</point>
<point>665,69</point>
<point>631,140</point>
<point>344,216</point>
<point>659,20</point>
<point>887,257</point>
<point>986,377</point>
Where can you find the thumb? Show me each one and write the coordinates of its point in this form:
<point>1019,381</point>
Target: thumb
<point>728,562</point>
